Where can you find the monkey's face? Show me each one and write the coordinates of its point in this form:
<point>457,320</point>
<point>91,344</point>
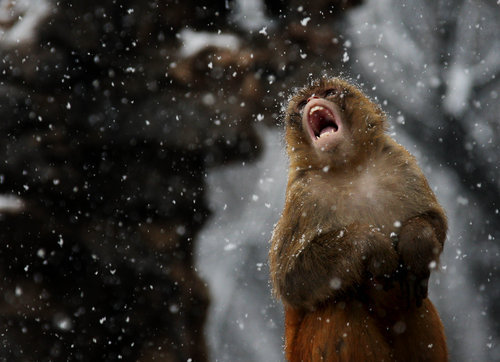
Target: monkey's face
<point>334,120</point>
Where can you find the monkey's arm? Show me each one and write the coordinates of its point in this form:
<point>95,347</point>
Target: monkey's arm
<point>420,243</point>
<point>334,264</point>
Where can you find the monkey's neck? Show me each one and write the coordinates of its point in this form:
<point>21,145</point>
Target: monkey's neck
<point>363,160</point>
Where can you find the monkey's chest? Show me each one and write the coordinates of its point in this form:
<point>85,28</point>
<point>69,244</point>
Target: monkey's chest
<point>365,201</point>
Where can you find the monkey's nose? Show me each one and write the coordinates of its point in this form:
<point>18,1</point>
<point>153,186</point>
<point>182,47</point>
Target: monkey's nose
<point>311,97</point>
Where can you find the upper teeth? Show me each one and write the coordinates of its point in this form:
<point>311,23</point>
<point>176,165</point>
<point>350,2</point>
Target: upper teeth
<point>315,109</point>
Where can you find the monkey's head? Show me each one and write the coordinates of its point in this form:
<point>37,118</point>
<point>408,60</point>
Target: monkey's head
<point>332,123</point>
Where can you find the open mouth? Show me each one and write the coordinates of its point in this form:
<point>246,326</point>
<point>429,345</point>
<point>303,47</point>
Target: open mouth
<point>321,121</point>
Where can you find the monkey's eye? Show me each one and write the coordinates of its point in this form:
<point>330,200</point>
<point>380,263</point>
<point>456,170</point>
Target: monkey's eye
<point>330,92</point>
<point>301,105</point>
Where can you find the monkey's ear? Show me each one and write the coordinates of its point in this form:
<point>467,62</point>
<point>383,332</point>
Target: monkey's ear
<point>380,118</point>
<point>377,122</point>
<point>295,119</point>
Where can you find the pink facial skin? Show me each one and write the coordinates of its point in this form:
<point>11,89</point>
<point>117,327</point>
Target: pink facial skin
<point>323,124</point>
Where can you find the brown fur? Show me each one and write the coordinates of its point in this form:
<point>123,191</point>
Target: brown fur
<point>357,217</point>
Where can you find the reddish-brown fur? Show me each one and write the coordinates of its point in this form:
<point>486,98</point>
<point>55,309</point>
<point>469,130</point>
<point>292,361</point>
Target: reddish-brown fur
<point>349,331</point>
<point>352,252</point>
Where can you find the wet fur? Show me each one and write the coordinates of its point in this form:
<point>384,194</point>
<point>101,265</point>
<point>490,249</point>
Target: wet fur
<point>358,220</point>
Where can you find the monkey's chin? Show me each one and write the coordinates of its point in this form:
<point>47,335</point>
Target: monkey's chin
<point>327,141</point>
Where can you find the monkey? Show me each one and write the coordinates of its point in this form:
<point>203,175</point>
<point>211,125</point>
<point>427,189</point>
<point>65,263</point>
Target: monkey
<point>359,234</point>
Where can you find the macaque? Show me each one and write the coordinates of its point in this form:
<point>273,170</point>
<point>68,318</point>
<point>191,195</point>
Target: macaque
<point>360,232</point>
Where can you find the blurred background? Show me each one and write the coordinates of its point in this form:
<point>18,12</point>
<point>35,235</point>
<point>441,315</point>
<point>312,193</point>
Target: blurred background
<point>142,164</point>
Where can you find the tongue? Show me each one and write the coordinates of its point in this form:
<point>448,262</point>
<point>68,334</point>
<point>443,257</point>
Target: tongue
<point>326,130</point>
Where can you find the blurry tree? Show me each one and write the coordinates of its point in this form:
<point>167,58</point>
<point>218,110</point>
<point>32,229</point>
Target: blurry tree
<point>110,118</point>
